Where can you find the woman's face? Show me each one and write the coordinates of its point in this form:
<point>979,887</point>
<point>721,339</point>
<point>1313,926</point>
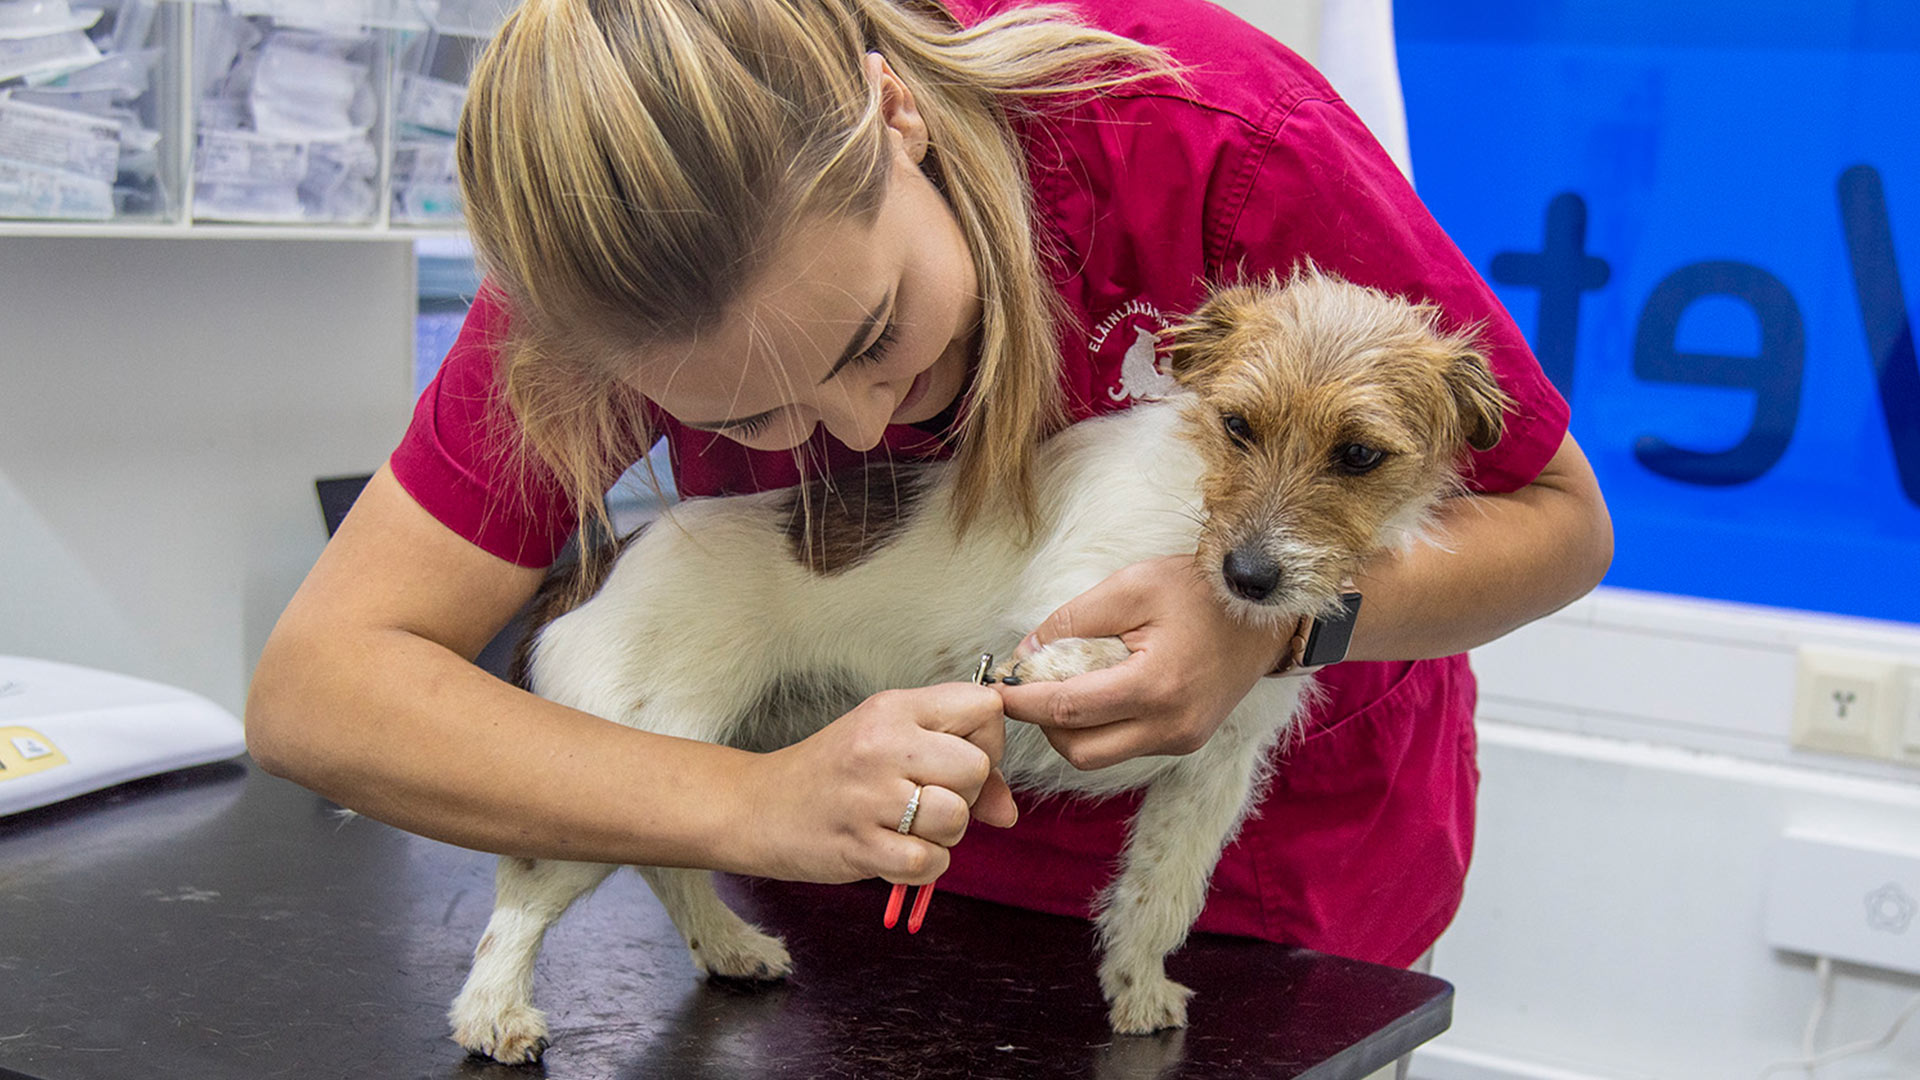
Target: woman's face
<point>853,326</point>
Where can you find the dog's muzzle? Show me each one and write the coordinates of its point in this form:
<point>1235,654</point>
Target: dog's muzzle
<point>1251,573</point>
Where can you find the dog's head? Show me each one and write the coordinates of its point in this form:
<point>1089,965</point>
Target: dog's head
<point>1332,418</point>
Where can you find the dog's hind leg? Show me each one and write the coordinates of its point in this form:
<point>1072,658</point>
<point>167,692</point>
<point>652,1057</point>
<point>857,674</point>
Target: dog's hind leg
<point>1185,820</point>
<point>722,943</point>
<point>494,1013</point>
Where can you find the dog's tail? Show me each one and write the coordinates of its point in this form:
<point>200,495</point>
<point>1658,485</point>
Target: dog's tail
<point>573,579</point>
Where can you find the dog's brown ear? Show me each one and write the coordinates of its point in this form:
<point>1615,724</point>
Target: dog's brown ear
<point>1477,395</point>
<point>1194,344</point>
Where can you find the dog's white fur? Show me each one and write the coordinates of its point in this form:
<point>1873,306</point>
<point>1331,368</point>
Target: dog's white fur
<point>722,584</point>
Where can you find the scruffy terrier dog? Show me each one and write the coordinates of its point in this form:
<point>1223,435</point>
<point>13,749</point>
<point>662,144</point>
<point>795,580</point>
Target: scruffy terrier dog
<point>1315,423</point>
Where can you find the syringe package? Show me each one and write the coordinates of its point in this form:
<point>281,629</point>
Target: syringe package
<point>307,112</point>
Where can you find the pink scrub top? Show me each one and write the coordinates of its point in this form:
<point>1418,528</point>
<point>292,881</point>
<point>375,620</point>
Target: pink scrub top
<point>1142,196</point>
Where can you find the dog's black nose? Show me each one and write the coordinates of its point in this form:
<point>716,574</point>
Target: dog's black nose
<point>1253,574</point>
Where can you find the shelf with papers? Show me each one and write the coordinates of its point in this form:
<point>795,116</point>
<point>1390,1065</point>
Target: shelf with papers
<point>288,118</point>
<point>224,230</point>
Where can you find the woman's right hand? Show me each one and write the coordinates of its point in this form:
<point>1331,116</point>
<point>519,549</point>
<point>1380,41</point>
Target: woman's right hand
<point>828,808</point>
<point>366,693</point>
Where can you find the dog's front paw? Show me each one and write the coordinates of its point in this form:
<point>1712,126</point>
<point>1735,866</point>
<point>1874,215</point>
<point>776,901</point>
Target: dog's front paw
<point>749,954</point>
<point>511,1035</point>
<point>1062,660</point>
<point>1148,1005</point>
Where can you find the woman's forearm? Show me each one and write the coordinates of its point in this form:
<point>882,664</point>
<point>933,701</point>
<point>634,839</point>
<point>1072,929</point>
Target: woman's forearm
<point>1493,563</point>
<point>406,731</point>
<point>366,693</point>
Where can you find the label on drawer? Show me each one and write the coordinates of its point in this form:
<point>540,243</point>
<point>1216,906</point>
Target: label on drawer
<point>24,751</point>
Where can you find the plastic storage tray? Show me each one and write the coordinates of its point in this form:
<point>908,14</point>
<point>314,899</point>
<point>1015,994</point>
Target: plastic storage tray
<point>264,112</point>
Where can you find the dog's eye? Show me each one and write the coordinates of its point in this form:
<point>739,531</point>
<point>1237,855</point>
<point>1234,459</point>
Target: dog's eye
<point>1238,429</point>
<point>1356,459</point>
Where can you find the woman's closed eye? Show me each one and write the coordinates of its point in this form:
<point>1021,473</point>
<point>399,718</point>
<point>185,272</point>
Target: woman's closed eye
<point>873,355</point>
<point>752,425</point>
<point>876,354</point>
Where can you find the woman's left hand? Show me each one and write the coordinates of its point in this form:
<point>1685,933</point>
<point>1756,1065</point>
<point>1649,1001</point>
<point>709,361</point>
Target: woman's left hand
<point>1190,664</point>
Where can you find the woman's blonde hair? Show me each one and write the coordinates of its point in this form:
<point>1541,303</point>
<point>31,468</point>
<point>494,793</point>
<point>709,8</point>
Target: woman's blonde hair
<point>629,165</point>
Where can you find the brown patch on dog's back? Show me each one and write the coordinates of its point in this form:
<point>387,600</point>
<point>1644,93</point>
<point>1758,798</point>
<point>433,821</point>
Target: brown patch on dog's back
<point>836,523</point>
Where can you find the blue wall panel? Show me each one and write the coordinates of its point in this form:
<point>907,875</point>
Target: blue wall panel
<point>1699,213</point>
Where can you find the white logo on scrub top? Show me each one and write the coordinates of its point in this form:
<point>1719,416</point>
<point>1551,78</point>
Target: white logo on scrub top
<point>1140,376</point>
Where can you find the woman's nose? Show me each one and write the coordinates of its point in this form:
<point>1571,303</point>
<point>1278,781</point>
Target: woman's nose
<point>858,419</point>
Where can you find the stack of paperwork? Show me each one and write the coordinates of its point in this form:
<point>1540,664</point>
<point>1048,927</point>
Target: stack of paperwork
<point>287,112</point>
<point>263,111</point>
<point>78,137</point>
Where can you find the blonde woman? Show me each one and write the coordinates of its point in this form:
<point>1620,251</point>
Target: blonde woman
<point>794,235</point>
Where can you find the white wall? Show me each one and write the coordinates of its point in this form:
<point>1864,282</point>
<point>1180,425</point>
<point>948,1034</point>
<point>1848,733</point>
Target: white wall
<point>165,405</point>
<point>1636,777</point>
<point>1351,42</point>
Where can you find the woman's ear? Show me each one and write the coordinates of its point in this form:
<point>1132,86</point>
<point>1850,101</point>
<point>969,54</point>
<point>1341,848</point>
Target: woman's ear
<point>897,108</point>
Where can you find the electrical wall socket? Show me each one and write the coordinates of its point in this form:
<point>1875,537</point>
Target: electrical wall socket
<point>1908,727</point>
<point>1862,703</point>
<point>1846,898</point>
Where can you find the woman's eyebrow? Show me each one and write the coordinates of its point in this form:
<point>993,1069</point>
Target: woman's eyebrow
<point>861,333</point>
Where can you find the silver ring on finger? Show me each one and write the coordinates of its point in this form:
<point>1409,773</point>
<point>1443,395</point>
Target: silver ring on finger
<point>913,807</point>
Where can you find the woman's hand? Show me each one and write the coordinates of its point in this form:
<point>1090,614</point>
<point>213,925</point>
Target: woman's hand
<point>828,808</point>
<point>1191,664</point>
